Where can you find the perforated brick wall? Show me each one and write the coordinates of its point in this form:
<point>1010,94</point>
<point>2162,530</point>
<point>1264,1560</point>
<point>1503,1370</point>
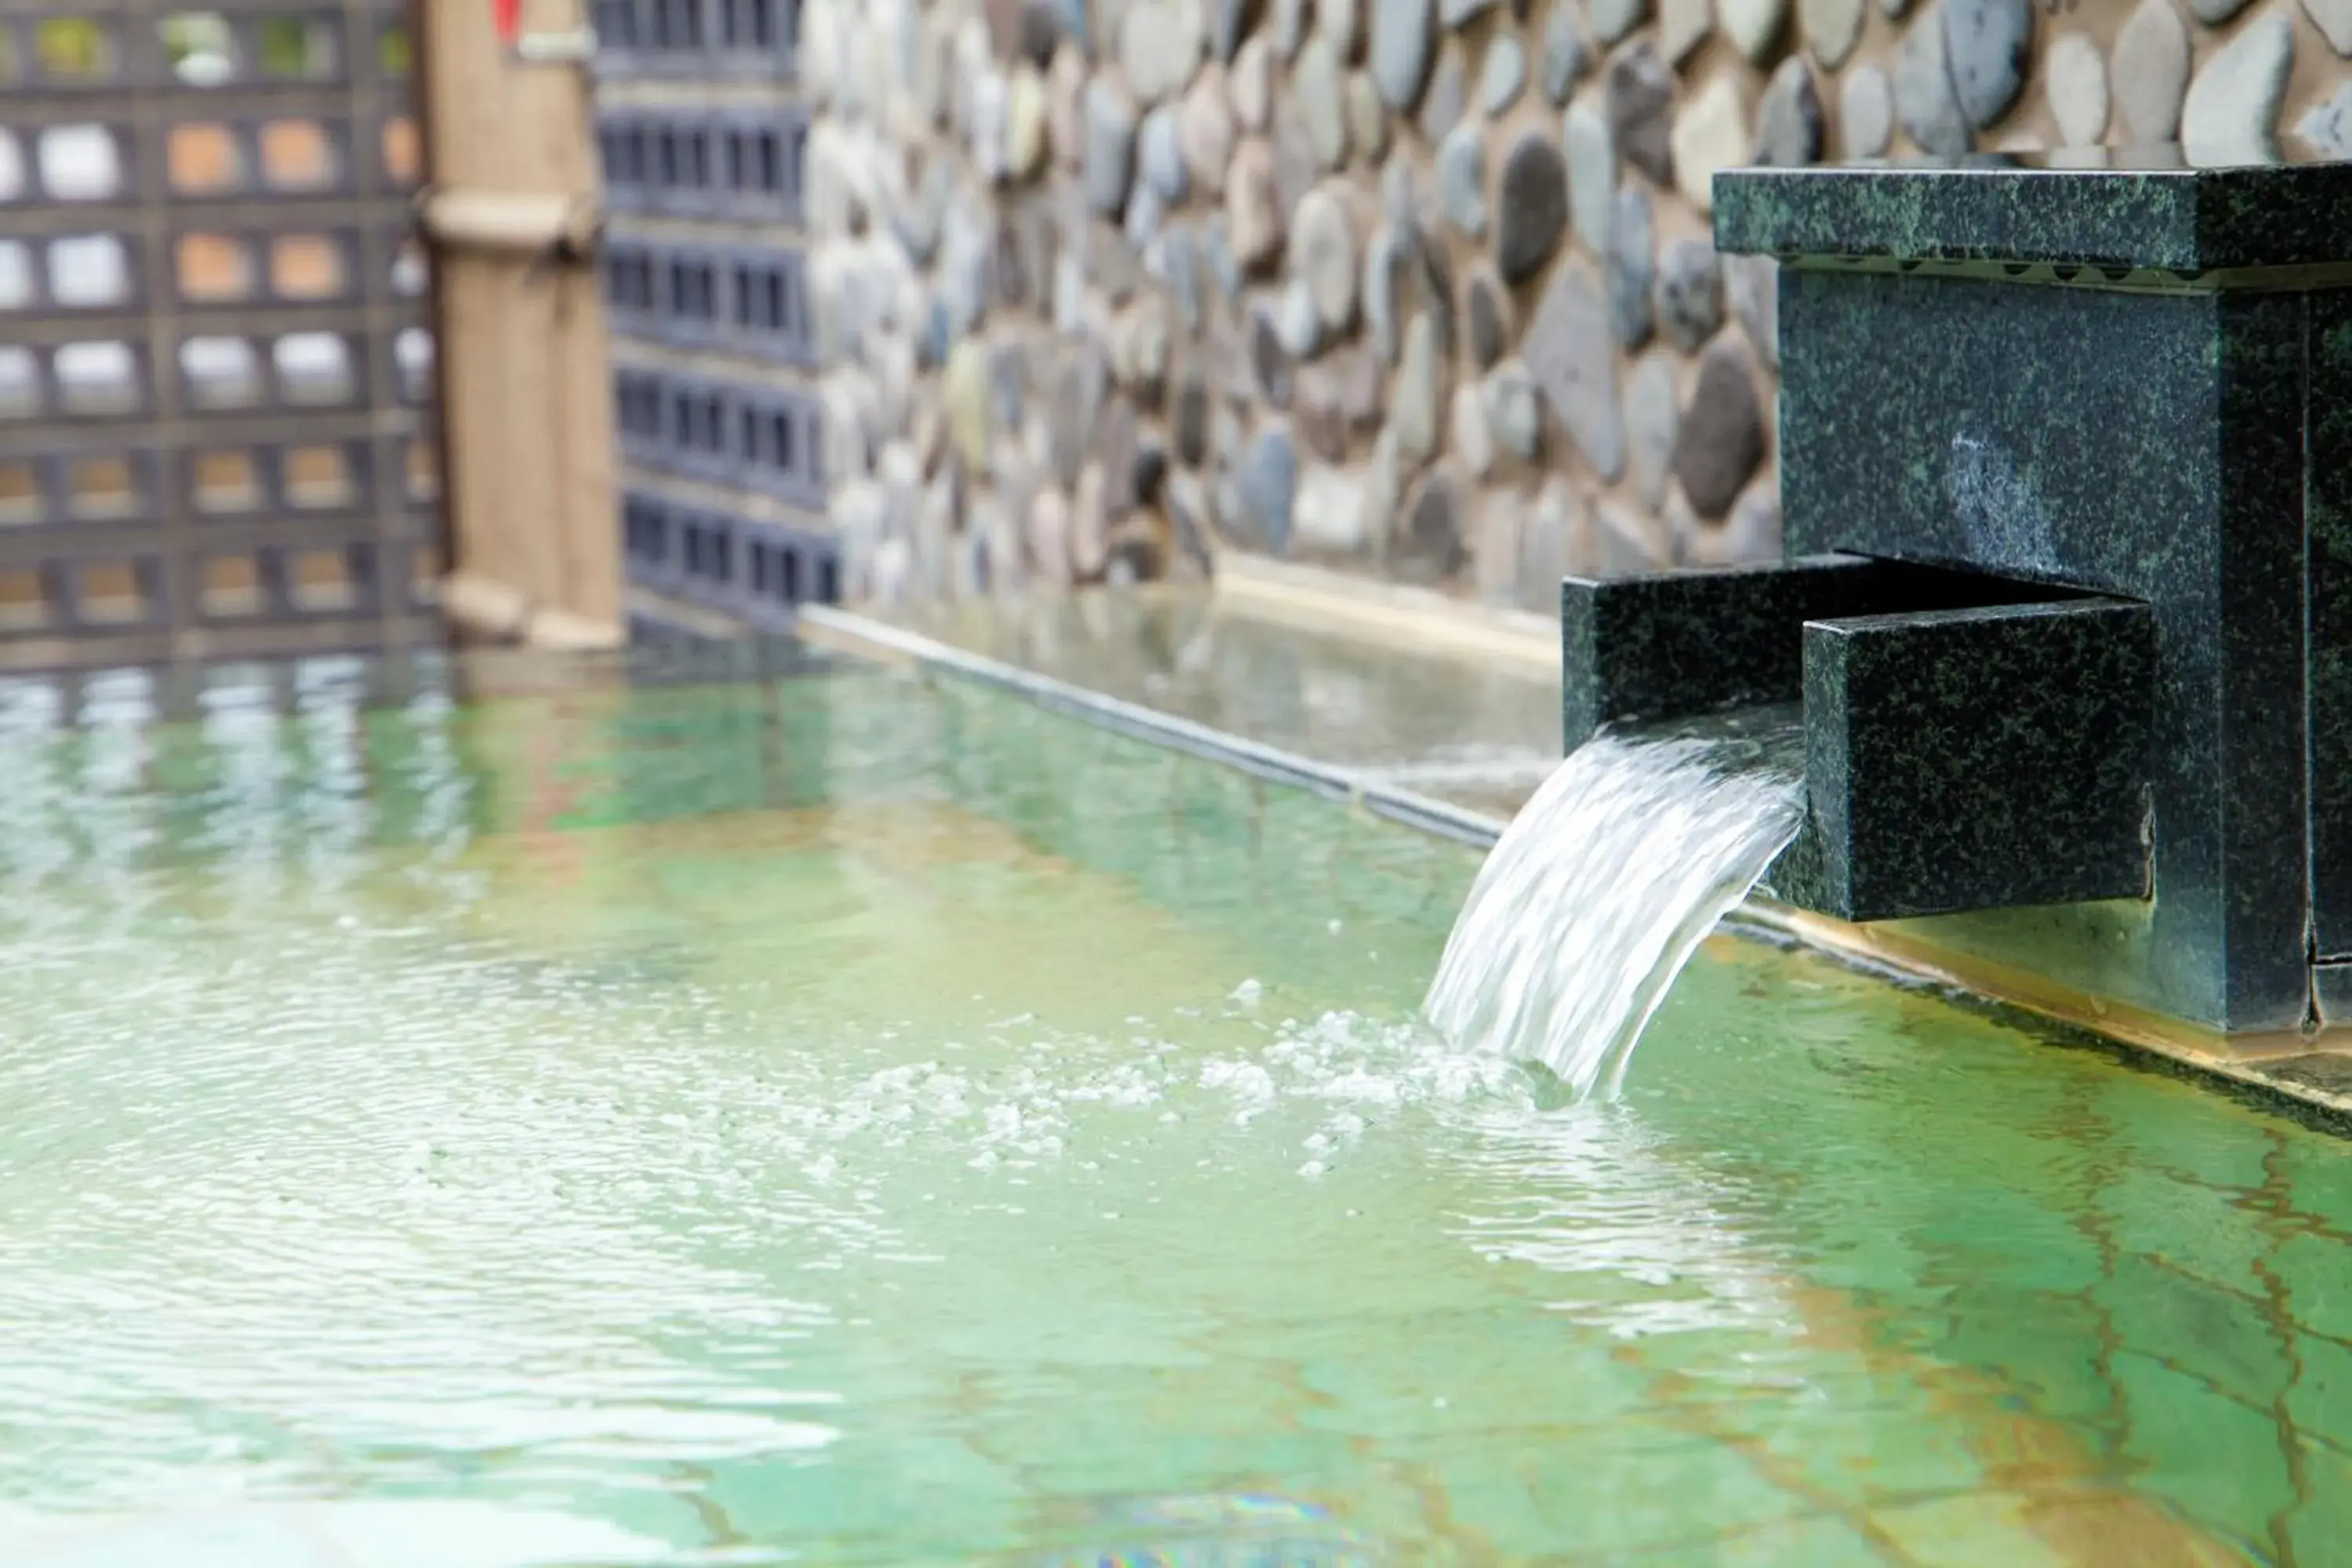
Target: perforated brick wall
<point>216,354</point>
<point>703,140</point>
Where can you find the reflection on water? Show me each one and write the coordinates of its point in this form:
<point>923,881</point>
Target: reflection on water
<point>841,1120</point>
<point>1474,732</point>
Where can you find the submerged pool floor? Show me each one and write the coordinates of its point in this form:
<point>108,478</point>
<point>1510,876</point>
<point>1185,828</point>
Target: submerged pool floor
<point>846,1119</point>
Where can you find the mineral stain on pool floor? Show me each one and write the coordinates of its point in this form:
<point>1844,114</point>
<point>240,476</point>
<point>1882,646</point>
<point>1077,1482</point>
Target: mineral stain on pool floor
<point>847,1120</point>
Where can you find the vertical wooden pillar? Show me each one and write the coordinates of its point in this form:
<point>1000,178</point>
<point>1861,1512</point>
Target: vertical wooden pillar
<point>526,398</point>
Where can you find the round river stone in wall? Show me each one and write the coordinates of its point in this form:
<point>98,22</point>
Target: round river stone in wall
<point>2077,87</point>
<point>1342,22</point>
<point>1315,418</point>
<point>1569,350</point>
<point>1331,512</point>
<point>2232,115</point>
<point>1289,26</point>
<point>1384,276</point>
<point>1592,173</point>
<point>1159,154</point>
<point>1683,26</point>
<point>1489,314</point>
<point>1253,220</point>
<point>1652,421</point>
<point>1612,19</point>
<point>1144,209</point>
<point>1192,420</point>
<point>1324,251</point>
<point>1159,45</point>
<point>1789,121</point>
<point>1924,96</point>
<point>1753,25</point>
<point>1690,294</point>
<point>1710,134</point>
<point>1024,122</point>
<point>1429,546</point>
<point>1461,176</point>
<point>1315,82</point>
<point>1566,56</point>
<point>1269,481</point>
<point>1296,322</point>
<point>1296,165</point>
<point>1866,113</point>
<point>1403,32</point>
<point>1049,537</point>
<point>1753,534</point>
<point>2326,126</point>
<point>1110,147</point>
<point>1413,402</point>
<point>1268,363</point>
<point>1368,119</point>
<point>1505,75</point>
<point>989,137</point>
<point>1641,111</point>
<point>1205,127</point>
<point>1447,94</point>
<point>1436,275</point>
<point>1532,207</point>
<point>2150,72</point>
<point>1404,198</point>
<point>1514,408</point>
<point>1230,22</point>
<point>1989,43</point>
<point>1250,82</point>
<point>1065,90</point>
<point>1633,266</point>
<point>1721,441</point>
<point>1830,28</point>
<point>1753,282</point>
<point>1468,437</point>
<point>963,389</point>
<point>1456,15</point>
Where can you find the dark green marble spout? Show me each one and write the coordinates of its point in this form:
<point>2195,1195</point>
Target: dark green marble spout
<point>1969,742</point>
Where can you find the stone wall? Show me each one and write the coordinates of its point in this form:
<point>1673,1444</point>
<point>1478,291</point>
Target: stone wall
<point>1422,288</point>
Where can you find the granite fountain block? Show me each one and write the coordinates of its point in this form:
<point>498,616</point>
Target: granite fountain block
<point>1946,769</point>
<point>1669,645</point>
<point>2126,378</point>
<point>2133,210</point>
<point>1663,645</point>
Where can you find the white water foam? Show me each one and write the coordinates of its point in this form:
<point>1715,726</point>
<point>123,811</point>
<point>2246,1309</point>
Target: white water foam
<point>1597,895</point>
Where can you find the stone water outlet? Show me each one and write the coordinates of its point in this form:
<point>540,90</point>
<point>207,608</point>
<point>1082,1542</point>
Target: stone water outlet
<point>2066,469</point>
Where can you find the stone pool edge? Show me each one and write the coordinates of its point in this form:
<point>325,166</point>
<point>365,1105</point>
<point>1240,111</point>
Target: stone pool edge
<point>848,632</point>
<point>2285,1072</point>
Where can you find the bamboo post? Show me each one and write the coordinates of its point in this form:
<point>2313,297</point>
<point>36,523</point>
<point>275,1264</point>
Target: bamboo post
<point>511,214</point>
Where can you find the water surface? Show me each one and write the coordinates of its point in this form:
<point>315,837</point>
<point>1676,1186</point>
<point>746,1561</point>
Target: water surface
<point>841,1120</point>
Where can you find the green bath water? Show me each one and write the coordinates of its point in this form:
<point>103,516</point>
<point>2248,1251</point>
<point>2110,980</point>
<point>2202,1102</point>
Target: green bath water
<point>846,1120</point>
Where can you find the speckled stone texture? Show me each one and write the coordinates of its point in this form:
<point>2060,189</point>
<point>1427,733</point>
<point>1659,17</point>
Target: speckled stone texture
<point>2144,444</point>
<point>1663,647</point>
<point>2328,497</point>
<point>1667,645</point>
<point>1945,769</point>
<point>2134,213</point>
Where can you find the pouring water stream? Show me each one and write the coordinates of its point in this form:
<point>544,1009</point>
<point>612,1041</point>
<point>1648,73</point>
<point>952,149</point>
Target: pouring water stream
<point>1600,890</point>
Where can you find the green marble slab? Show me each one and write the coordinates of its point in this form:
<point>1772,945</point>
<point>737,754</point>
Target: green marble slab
<point>2115,212</point>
